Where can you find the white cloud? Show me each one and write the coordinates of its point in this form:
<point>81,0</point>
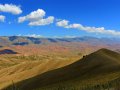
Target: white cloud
<point>33,16</point>
<point>40,22</point>
<point>21,19</point>
<point>35,36</point>
<point>2,18</point>
<point>10,8</point>
<point>101,30</point>
<point>36,18</point>
<point>63,23</point>
<point>32,35</point>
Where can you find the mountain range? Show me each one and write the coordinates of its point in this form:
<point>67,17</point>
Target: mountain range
<point>30,63</point>
<point>22,40</point>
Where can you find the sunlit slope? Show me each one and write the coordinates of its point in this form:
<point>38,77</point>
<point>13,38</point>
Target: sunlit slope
<point>28,69</point>
<point>101,64</point>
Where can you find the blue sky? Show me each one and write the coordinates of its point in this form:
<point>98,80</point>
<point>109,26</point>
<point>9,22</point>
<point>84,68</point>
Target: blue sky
<point>99,18</point>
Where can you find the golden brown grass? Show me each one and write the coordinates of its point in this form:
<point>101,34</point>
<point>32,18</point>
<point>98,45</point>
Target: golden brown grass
<point>21,67</point>
<point>99,67</point>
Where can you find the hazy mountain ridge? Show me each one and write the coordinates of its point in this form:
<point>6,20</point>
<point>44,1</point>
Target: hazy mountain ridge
<point>20,40</point>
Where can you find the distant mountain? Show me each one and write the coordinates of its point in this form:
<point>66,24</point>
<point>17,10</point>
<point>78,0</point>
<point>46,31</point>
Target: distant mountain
<point>97,65</point>
<point>22,41</point>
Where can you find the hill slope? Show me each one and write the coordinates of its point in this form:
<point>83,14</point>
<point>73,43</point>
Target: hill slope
<point>100,64</point>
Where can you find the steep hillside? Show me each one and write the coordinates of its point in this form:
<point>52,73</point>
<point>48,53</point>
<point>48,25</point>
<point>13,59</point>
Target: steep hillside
<point>102,65</point>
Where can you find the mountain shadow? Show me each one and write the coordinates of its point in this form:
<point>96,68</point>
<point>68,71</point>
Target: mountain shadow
<point>7,51</point>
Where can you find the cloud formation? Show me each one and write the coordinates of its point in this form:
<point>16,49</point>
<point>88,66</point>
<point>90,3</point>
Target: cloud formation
<point>101,30</point>
<point>33,16</point>
<point>36,18</point>
<point>40,22</point>
<point>62,23</point>
<point>32,35</point>
<point>2,18</point>
<point>10,8</point>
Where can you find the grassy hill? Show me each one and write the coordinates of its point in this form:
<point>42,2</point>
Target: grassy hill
<point>18,68</point>
<point>101,66</point>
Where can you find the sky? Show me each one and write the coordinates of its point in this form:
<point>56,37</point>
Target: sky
<point>60,18</point>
